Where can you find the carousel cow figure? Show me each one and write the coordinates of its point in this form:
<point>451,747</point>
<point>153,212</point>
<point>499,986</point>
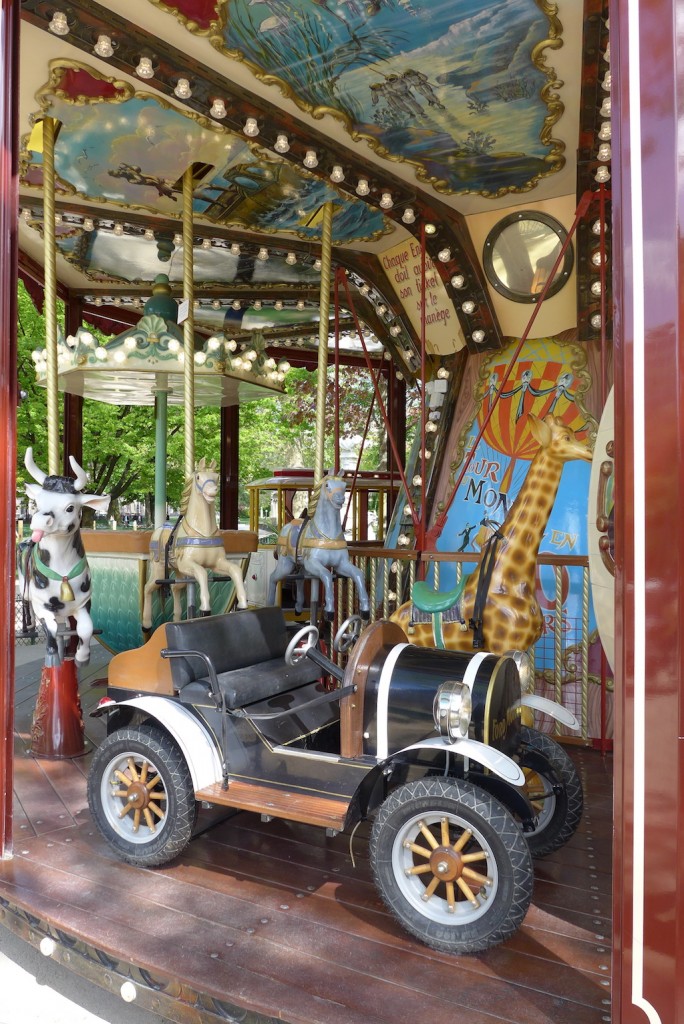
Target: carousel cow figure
<point>53,568</point>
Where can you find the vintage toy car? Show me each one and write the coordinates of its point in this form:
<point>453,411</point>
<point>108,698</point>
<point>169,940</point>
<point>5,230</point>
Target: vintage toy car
<point>230,710</point>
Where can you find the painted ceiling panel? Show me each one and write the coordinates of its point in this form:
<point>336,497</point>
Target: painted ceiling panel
<point>461,90</point>
<point>129,148</point>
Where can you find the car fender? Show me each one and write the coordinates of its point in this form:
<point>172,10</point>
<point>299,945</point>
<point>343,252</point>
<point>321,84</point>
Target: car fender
<point>550,708</point>
<point>489,757</point>
<point>195,741</point>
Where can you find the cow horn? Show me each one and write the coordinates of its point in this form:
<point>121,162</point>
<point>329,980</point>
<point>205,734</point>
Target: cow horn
<point>80,474</point>
<point>36,473</point>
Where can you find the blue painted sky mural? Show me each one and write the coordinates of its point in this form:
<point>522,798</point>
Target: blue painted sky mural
<point>453,88</point>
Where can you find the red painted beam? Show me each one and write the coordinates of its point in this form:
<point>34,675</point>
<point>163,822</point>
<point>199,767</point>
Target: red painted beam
<point>9,142</point>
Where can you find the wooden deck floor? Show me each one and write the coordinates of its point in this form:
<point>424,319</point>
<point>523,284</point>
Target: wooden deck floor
<point>262,921</point>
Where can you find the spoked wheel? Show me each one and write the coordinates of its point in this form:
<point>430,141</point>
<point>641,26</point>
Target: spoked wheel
<point>451,864</point>
<point>141,795</point>
<point>554,789</point>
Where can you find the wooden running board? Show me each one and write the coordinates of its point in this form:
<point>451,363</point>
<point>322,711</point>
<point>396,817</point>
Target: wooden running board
<point>326,811</point>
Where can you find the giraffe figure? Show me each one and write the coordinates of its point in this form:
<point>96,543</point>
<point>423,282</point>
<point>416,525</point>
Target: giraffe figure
<point>512,618</point>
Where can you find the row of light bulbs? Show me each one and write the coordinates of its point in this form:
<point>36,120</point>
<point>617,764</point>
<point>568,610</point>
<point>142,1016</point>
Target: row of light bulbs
<point>602,175</point>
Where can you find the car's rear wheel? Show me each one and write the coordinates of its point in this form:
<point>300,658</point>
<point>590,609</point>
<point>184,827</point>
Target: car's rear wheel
<point>554,789</point>
<point>141,795</point>
<point>451,864</point>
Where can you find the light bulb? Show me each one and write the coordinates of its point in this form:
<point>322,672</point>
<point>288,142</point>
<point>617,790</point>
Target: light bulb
<point>200,358</point>
<point>206,243</point>
<point>281,144</point>
<point>218,109</point>
<point>120,356</point>
<point>596,321</point>
<point>478,337</point>
<point>174,345</point>
<point>458,280</point>
<point>251,127</point>
<point>337,174</point>
<point>604,152</point>
<point>468,307</point>
<point>236,305</point>
<point>596,288</point>
<point>177,239</point>
<point>363,188</point>
<point>130,344</point>
<point>317,265</point>
<point>235,249</point>
<point>183,90</point>
<point>215,304</point>
<point>300,304</point>
<point>386,201</point>
<point>59,24</point>
<point>278,305</point>
<point>408,216</point>
<point>283,366</point>
<point>149,234</point>
<point>310,159</point>
<point>101,352</point>
<point>430,229</point>
<point>118,229</point>
<point>605,107</point>
<point>103,47</point>
<point>262,254</point>
<point>257,304</point>
<point>443,373</point>
<point>144,68</point>
<point>395,330</point>
<point>291,259</point>
<point>605,131</point>
<point>444,255</point>
<point>602,175</point>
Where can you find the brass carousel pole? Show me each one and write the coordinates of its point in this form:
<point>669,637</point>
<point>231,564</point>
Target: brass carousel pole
<point>188,328</point>
<point>323,326</point>
<point>49,239</point>
<point>57,729</point>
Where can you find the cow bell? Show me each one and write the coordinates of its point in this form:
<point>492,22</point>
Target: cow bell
<point>65,591</point>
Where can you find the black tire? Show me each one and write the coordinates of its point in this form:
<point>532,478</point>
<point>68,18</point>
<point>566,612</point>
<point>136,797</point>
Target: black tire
<point>447,920</point>
<point>554,790</point>
<point>159,824</point>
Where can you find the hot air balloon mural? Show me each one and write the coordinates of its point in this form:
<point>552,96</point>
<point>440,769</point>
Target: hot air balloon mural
<point>548,377</point>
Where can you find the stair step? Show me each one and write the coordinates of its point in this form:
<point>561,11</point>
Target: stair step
<point>326,811</point>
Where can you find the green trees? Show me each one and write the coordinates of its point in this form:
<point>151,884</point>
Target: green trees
<point>119,441</point>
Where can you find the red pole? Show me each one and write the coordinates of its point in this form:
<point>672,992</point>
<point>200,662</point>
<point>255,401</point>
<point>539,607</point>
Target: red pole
<point>423,404</point>
<point>438,525</point>
<point>381,404</point>
<point>9,141</point>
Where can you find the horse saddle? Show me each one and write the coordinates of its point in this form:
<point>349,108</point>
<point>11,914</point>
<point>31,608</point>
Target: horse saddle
<point>437,607</point>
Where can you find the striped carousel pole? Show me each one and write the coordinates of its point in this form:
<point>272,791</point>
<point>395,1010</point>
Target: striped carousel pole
<point>57,729</point>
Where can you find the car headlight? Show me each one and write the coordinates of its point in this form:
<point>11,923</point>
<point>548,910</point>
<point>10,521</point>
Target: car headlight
<point>523,663</point>
<point>452,709</point>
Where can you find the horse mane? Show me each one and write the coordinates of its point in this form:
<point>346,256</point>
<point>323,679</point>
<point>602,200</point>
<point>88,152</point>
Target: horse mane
<point>316,493</point>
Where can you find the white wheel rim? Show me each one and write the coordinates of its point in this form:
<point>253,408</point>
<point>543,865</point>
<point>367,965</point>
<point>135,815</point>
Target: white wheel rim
<point>134,797</point>
<point>446,902</point>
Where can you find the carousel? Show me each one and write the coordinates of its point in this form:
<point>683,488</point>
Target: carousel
<point>359,765</point>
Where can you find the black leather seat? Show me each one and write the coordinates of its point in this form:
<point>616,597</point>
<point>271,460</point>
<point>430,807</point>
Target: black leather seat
<point>247,651</point>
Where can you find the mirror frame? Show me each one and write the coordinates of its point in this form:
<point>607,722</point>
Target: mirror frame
<point>562,274</point>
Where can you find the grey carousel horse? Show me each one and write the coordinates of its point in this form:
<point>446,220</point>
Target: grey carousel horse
<point>317,545</point>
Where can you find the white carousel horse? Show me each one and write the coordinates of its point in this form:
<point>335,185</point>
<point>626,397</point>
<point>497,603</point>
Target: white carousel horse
<point>317,544</point>
<point>194,546</point>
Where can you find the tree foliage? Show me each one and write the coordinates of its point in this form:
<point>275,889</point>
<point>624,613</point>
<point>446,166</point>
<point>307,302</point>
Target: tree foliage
<point>119,441</point>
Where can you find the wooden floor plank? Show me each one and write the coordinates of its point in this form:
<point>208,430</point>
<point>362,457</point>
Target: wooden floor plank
<point>277,918</point>
<point>408,977</point>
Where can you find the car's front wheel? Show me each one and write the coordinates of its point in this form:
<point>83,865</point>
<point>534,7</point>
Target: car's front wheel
<point>451,864</point>
<point>141,795</point>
